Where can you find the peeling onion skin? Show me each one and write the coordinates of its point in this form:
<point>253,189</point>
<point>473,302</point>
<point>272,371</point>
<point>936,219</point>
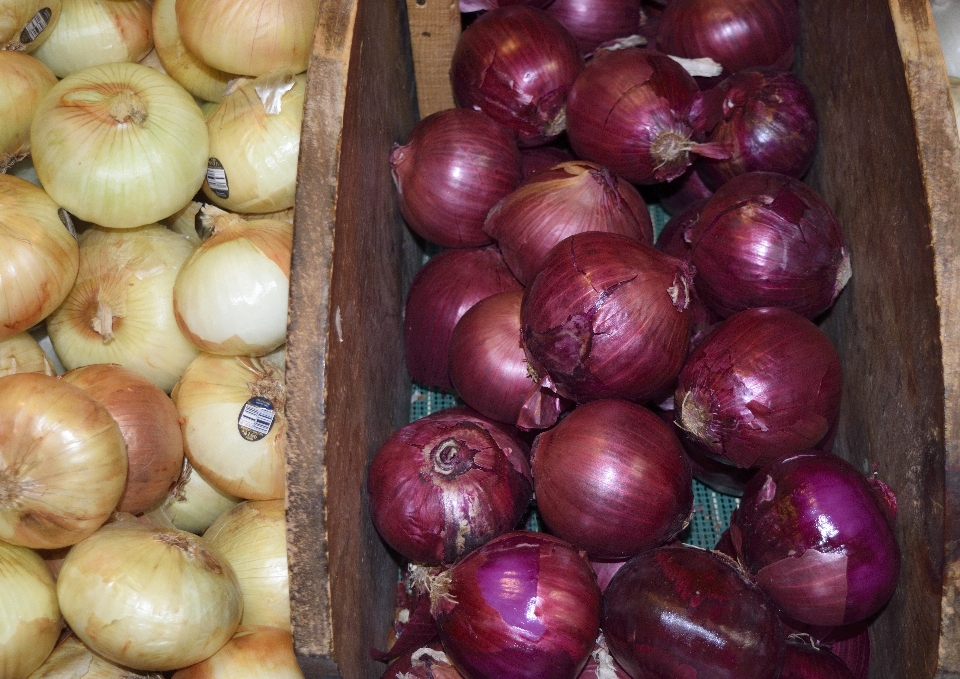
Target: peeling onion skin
<point>524,606</point>
<point>681,611</point>
<point>429,662</point>
<point>818,538</point>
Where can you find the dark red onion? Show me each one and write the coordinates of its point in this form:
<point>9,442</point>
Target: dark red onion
<point>516,64</point>
<point>523,606</point>
<point>416,630</point>
<point>764,384</point>
<point>455,166</point>
<point>605,571</point>
<point>607,317</point>
<point>601,664</point>
<point>676,612</point>
<point>445,484</point>
<point>484,5</point>
<point>638,113</point>
<point>851,643</point>
<point>804,660</point>
<point>539,158</point>
<point>768,118</point>
<point>816,535</point>
<point>593,22</point>
<point>766,239</point>
<point>569,198</point>
<point>442,291</point>
<point>738,34</point>
<point>679,194</point>
<point>489,370</point>
<point>427,662</point>
<point>612,479</point>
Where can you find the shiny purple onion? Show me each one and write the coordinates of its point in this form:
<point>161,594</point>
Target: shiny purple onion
<point>594,22</point>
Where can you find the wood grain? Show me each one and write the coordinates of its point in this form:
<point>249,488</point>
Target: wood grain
<point>434,31</point>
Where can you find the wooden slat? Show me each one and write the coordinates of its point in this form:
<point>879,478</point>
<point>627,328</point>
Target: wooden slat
<point>434,31</point>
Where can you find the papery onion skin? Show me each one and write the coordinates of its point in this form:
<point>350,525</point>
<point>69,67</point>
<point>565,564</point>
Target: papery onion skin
<point>30,620</point>
<point>24,81</point>
<point>442,291</point>
<point>455,165</point>
<point>516,64</point>
<point>601,664</point>
<point>595,23</point>
<point>804,660</point>
<point>607,317</point>
<point>26,24</point>
<point>680,611</point>
<point>568,198</point>
<point>818,539</point>
<point>151,150</point>
<point>445,484</point>
<point>63,462</point>
<point>524,606</point>
<point>149,598</point>
<point>605,571</point>
<point>254,651</point>
<point>428,662</point>
<point>612,479</point>
<point>21,353</point>
<point>764,384</point>
<point>39,258</point>
<point>71,658</point>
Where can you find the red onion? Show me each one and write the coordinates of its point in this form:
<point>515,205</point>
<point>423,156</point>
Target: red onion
<point>593,23</point>
<point>537,159</point>
<point>738,34</point>
<point>607,317</point>
<point>605,570</point>
<point>769,120</point>
<point>442,291</point>
<point>818,539</point>
<point>427,662</point>
<point>484,5</point>
<point>445,484</point>
<point>454,167</point>
<point>804,660</point>
<point>764,384</point>
<point>677,612</point>
<point>569,198</point>
<point>516,64</point>
<point>766,239</point>
<point>611,478</point>
<point>688,188</point>
<point>638,113</point>
<point>851,643</point>
<point>523,606</point>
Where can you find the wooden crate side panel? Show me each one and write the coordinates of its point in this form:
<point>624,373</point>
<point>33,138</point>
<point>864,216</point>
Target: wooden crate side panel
<point>434,31</point>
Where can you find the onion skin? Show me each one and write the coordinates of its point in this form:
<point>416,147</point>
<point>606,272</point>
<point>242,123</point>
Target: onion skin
<point>568,198</point>
<point>254,652</point>
<point>455,166</point>
<point>427,662</point>
<point>516,64</point>
<point>524,606</point>
<point>445,484</point>
<point>594,23</point>
<point>441,293</point>
<point>612,479</point>
<point>607,317</point>
<point>679,611</point>
<point>818,539</point>
<point>804,660</point>
<point>764,384</point>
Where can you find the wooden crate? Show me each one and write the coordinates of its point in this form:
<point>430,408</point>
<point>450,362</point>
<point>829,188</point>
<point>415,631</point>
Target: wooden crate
<point>889,164</point>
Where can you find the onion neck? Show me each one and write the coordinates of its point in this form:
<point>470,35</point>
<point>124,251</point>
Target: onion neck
<point>670,147</point>
<point>125,106</point>
<point>695,419</point>
<point>102,322</point>
<point>190,548</point>
<point>451,457</point>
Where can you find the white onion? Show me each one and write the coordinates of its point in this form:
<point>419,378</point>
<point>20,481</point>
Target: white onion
<point>24,81</point>
<point>121,308</point>
<point>195,503</point>
<point>26,24</point>
<point>232,417</point>
<point>254,144</point>
<point>72,659</point>
<point>252,537</point>
<point>253,653</point>
<point>147,597</point>
<point>93,32</point>
<point>144,134</point>
<point>21,353</point>
<point>30,621</point>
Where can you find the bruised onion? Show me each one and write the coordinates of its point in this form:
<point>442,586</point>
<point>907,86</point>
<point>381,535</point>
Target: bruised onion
<point>523,606</point>
<point>607,317</point>
<point>679,611</point>
<point>764,384</point>
<point>593,23</point>
<point>445,484</point>
<point>516,64</point>
<point>441,292</point>
<point>818,538</point>
<point>804,660</point>
<point>569,198</point>
<point>612,479</point>
<point>455,166</point>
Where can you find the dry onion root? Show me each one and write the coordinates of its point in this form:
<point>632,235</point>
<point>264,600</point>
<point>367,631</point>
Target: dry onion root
<point>26,24</point>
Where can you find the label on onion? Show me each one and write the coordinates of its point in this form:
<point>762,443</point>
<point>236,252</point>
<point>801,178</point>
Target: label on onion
<point>256,418</point>
<point>67,221</point>
<point>217,178</point>
<point>35,26</point>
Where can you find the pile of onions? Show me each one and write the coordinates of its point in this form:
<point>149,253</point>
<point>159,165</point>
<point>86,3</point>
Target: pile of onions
<point>21,353</point>
<point>24,81</point>
<point>804,660</point>
<point>427,662</point>
<point>251,652</point>
<point>194,504</point>
<point>72,658</point>
<point>26,24</point>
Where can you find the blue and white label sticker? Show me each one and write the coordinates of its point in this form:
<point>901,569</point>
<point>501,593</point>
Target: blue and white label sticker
<point>35,26</point>
<point>256,418</point>
<point>217,178</point>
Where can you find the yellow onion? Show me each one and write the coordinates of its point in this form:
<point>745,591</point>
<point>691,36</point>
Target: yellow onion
<point>232,417</point>
<point>63,463</point>
<point>230,297</point>
<point>199,79</point>
<point>184,221</point>
<point>252,653</point>
<point>144,134</point>
<point>24,80</point>
<point>147,597</point>
<point>30,621</point>
<point>251,37</point>
<point>194,503</point>
<point>150,426</point>
<point>93,32</point>
<point>254,144</point>
<point>72,659</point>
<point>38,256</point>
<point>252,537</point>
<point>121,308</point>
<point>21,353</point>
<point>26,24</point>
